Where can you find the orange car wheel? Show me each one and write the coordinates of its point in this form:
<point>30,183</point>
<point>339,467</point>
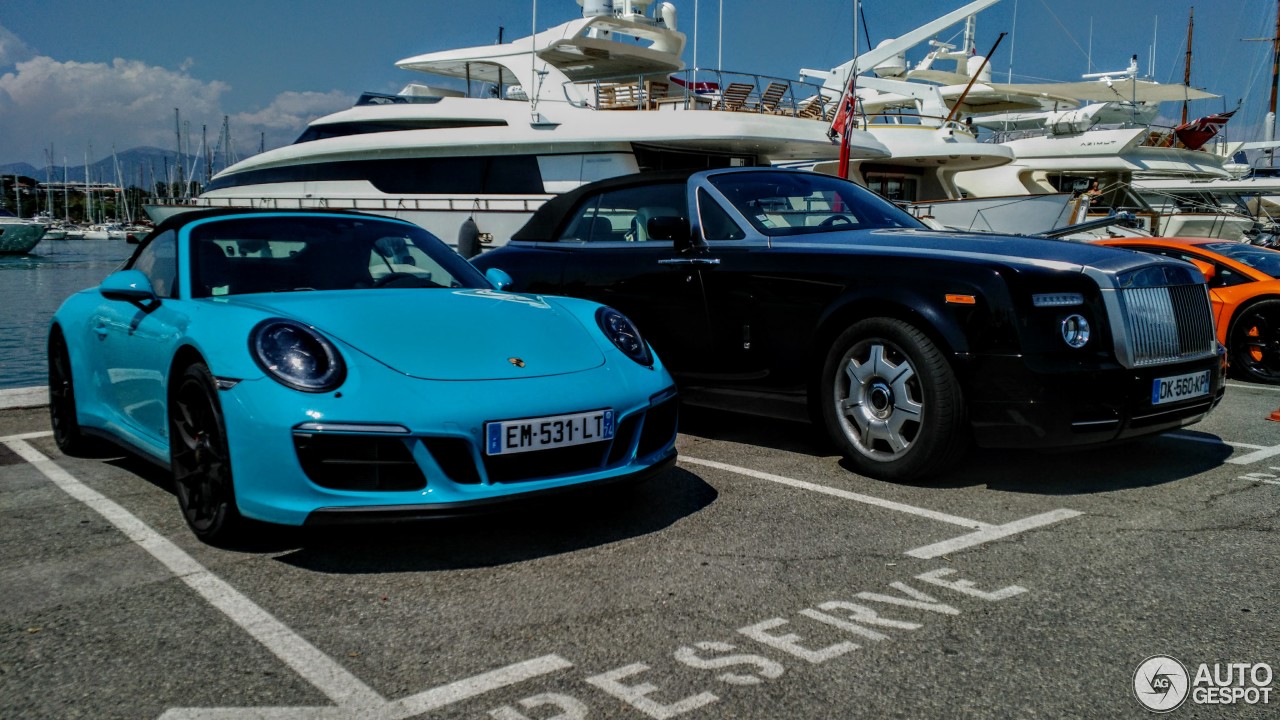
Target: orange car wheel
<point>1254,342</point>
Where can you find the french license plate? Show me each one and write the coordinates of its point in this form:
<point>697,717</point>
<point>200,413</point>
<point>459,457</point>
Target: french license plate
<point>1179,387</point>
<point>505,437</point>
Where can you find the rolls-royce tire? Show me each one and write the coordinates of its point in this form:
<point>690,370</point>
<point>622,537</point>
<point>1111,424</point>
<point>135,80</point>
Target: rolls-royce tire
<point>891,401</point>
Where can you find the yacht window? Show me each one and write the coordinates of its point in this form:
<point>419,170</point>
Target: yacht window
<point>484,175</point>
<point>624,214</point>
<point>334,130</point>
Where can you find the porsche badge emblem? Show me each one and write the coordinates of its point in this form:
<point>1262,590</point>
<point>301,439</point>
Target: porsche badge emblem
<point>516,361</point>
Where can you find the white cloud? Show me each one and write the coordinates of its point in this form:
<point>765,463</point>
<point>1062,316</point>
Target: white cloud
<point>283,120</point>
<point>127,104</point>
<point>12,49</point>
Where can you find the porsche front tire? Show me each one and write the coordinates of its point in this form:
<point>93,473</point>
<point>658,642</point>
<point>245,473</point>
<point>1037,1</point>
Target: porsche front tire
<point>200,459</point>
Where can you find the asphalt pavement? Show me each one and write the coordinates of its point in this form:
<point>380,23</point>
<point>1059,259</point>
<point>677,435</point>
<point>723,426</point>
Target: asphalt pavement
<point>760,578</point>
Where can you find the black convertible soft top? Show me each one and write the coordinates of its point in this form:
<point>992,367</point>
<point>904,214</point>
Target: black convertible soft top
<point>546,222</point>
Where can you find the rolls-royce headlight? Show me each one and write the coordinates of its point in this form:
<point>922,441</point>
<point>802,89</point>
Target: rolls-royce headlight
<point>296,356</point>
<point>624,335</point>
<point>1075,331</point>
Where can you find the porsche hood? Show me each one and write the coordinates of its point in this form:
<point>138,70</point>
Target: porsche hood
<point>446,334</point>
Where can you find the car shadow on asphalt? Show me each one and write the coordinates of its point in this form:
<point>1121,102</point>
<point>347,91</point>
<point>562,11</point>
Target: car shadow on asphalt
<point>1142,462</point>
<point>510,532</point>
<point>1135,463</point>
<point>520,531</point>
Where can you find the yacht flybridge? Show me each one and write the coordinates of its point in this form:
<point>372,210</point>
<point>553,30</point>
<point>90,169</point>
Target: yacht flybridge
<point>596,97</point>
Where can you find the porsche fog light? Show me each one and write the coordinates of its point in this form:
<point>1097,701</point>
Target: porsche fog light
<point>1075,331</point>
<point>624,335</point>
<point>296,356</point>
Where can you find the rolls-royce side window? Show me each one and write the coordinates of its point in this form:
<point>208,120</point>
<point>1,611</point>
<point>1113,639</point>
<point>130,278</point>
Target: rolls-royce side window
<point>716,222</point>
<point>623,215</point>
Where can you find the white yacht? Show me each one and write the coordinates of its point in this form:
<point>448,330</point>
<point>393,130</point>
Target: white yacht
<point>1064,137</point>
<point>595,97</point>
<point>928,145</point>
<point>17,235</point>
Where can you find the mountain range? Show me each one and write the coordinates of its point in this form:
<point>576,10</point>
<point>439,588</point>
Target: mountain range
<point>141,167</point>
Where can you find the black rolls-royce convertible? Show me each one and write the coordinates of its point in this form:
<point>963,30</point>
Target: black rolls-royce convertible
<point>768,290</point>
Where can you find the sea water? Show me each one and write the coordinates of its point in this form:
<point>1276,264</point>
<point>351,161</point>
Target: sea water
<point>31,289</point>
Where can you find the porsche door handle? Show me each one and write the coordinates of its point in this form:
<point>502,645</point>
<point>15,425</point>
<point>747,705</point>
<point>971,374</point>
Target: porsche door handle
<point>690,261</point>
<point>100,330</point>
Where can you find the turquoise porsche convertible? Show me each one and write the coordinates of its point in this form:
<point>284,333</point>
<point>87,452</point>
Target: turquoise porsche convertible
<point>304,368</point>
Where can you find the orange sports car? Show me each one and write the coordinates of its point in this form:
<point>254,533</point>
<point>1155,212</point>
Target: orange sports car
<point>1244,288</point>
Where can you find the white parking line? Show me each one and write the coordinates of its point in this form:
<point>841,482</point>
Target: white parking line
<point>1255,456</point>
<point>992,533</point>
<point>985,532</point>
<point>353,698</point>
<point>856,497</point>
<point>414,705</point>
<point>1244,386</point>
<point>27,436</point>
<point>1210,440</point>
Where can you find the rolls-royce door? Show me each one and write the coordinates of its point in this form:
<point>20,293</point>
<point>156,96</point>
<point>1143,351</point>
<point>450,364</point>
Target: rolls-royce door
<point>612,259</point>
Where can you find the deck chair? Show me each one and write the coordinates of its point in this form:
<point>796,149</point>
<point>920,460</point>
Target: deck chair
<point>655,90</point>
<point>734,96</point>
<point>622,96</point>
<point>771,96</point>
<point>812,107</point>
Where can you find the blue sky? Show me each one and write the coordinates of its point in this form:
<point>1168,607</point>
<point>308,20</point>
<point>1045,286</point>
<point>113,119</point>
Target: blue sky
<point>74,72</point>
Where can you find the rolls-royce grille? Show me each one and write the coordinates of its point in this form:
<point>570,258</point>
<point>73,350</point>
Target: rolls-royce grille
<point>1168,324</point>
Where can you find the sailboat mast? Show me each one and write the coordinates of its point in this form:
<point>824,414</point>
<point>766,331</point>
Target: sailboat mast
<point>1186,70</point>
<point>1275,80</point>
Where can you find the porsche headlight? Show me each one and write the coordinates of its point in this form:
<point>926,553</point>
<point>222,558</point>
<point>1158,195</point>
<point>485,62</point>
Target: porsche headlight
<point>623,334</point>
<point>296,356</point>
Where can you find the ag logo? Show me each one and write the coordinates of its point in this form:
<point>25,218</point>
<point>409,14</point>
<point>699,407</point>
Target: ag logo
<point>1160,683</point>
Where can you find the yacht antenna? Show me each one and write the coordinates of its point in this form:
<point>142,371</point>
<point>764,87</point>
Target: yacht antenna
<point>1269,126</point>
<point>720,39</point>
<point>972,79</point>
<point>1186,69</point>
<point>1013,36</point>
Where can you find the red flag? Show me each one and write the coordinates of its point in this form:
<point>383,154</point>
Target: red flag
<point>842,123</point>
<point>1198,132</point>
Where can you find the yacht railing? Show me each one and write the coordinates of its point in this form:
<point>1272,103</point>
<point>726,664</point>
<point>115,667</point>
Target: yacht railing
<point>704,89</point>
<point>910,119</point>
<point>514,203</point>
<point>1157,135</point>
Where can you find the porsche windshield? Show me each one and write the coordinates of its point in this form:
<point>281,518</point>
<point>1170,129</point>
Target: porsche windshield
<point>793,203</point>
<point>243,255</point>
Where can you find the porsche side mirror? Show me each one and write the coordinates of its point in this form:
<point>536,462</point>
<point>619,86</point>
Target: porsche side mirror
<point>128,285</point>
<point>498,278</point>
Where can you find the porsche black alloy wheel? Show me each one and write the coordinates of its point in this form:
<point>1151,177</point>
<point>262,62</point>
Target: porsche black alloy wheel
<point>67,434</point>
<point>891,402</point>
<point>200,459</point>
<point>1254,342</point>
